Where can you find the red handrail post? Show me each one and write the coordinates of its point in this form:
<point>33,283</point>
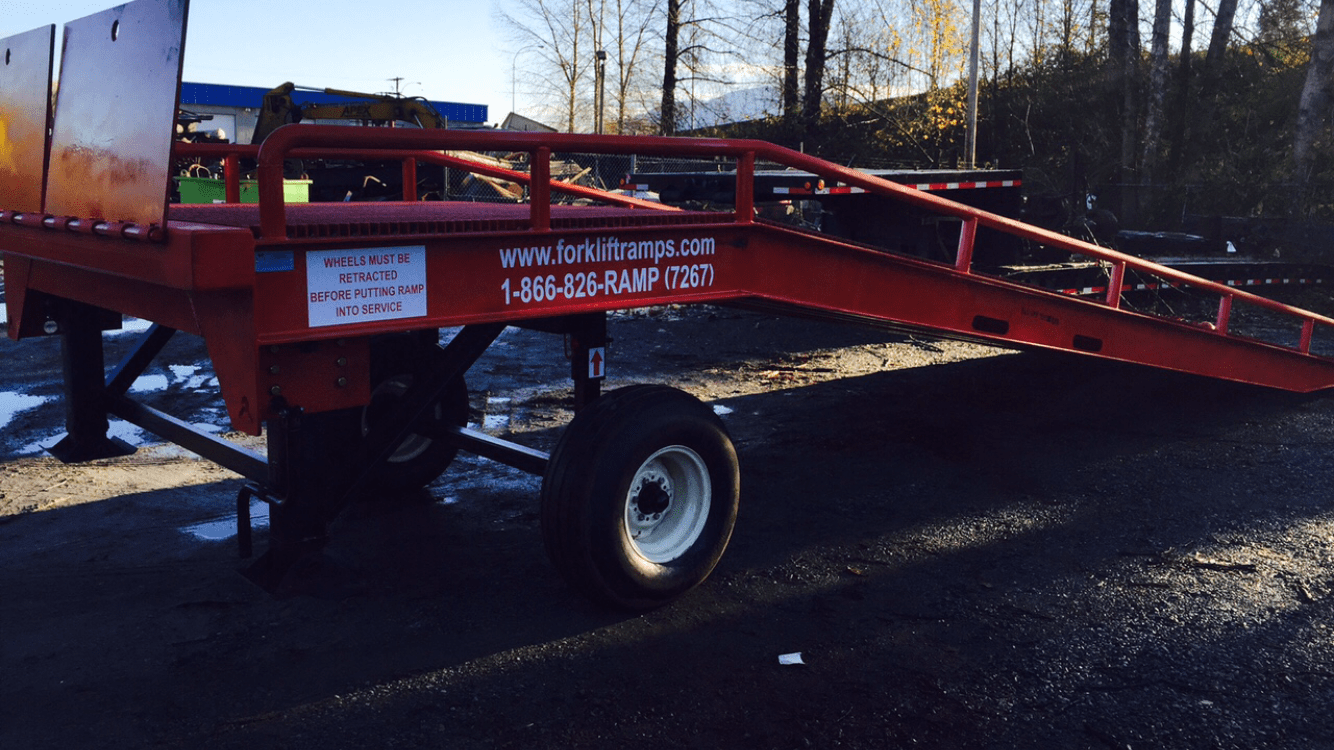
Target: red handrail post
<point>231,177</point>
<point>539,189</point>
<point>1308,332</point>
<point>745,188</point>
<point>963,261</point>
<point>1224,312</point>
<point>409,179</point>
<point>272,206</point>
<point>1114,285</point>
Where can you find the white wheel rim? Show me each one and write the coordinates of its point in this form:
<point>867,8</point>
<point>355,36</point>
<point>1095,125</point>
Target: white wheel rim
<point>413,445</point>
<point>668,504</point>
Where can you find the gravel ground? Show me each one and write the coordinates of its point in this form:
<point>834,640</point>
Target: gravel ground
<point>968,548</point>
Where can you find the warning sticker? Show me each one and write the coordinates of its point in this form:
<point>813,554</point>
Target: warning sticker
<point>597,362</point>
<point>360,285</point>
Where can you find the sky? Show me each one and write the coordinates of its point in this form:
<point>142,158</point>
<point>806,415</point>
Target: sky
<point>444,50</point>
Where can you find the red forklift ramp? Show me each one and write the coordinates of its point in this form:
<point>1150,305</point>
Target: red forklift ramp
<point>301,306</point>
<point>323,320</point>
<point>487,255</point>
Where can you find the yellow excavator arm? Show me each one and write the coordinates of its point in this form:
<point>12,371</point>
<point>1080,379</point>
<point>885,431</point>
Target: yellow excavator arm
<point>280,108</point>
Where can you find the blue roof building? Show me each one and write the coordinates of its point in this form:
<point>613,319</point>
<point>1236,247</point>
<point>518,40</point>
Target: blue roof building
<point>234,108</point>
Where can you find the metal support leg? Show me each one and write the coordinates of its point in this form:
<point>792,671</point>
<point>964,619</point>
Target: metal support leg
<point>134,363</point>
<point>319,463</point>
<point>83,367</point>
<point>311,461</point>
<point>588,357</point>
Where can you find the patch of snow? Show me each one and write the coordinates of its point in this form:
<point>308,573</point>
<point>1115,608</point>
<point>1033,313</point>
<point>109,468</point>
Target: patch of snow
<point>182,372</point>
<point>149,383</point>
<point>130,325</point>
<point>127,432</point>
<point>32,449</point>
<point>12,402</point>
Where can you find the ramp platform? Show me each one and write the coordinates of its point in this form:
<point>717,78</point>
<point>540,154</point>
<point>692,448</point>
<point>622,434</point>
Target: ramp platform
<point>323,320</point>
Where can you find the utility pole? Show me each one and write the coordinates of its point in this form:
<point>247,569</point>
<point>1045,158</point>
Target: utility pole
<point>600,98</point>
<point>970,137</point>
<point>514,76</point>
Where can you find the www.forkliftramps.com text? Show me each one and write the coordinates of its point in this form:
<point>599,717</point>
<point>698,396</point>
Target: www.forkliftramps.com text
<point>568,270</point>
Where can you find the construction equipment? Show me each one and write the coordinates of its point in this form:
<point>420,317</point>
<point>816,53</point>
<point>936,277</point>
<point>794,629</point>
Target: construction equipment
<point>323,320</point>
<point>345,179</point>
<point>280,108</point>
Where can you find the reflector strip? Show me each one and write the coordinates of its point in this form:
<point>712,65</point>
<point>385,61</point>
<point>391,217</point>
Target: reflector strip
<point>935,186</point>
<point>1089,290</point>
<point>930,186</point>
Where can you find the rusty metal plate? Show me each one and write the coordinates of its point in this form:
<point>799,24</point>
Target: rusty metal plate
<point>25,116</point>
<point>120,74</point>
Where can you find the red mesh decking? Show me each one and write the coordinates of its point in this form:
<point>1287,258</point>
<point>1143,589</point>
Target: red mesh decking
<point>317,220</point>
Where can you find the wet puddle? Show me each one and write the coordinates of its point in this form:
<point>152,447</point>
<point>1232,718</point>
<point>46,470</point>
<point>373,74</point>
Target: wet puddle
<point>494,422</point>
<point>225,528</point>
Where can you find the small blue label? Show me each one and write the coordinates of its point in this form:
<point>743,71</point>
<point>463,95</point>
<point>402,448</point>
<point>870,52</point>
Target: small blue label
<point>274,261</point>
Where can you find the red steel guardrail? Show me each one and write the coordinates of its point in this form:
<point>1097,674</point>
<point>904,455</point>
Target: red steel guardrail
<point>425,145</point>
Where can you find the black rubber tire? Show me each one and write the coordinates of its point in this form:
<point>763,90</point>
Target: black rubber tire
<point>587,490</point>
<point>418,460</point>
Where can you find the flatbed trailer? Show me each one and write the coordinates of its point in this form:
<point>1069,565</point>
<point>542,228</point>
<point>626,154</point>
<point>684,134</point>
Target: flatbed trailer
<point>323,320</point>
<point>835,208</point>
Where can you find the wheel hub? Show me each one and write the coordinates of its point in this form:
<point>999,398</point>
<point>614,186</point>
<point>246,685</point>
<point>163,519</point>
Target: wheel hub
<point>667,504</point>
<point>652,497</point>
<point>383,398</point>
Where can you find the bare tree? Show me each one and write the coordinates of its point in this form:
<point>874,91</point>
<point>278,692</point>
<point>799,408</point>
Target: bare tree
<point>671,55</point>
<point>1184,69</point>
<point>1313,109</point>
<point>1157,94</point>
<point>1004,39</point>
<point>561,30</point>
<point>1222,34</point>
<point>1210,78</point>
<point>1038,32</point>
<point>791,56</point>
<point>701,36</point>
<point>1123,65</point>
<point>633,39</point>
<point>870,54</point>
<point>819,14</point>
<point>568,34</point>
